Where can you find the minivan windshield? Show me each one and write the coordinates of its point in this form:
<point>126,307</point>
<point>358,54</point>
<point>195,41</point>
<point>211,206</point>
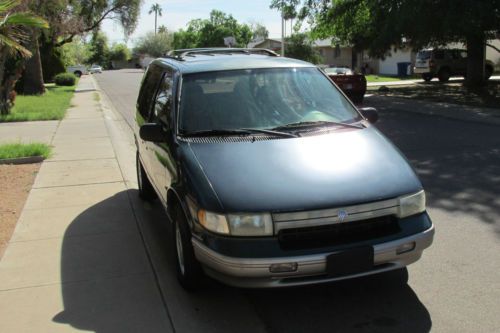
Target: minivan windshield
<point>260,99</point>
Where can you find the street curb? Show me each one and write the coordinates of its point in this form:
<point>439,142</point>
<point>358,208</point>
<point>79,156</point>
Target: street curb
<point>23,160</point>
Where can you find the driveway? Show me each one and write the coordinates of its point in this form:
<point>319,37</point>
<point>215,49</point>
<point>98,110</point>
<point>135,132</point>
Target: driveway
<point>455,287</point>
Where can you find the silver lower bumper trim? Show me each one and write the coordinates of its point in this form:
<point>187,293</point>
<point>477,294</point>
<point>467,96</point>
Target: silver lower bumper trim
<point>255,273</point>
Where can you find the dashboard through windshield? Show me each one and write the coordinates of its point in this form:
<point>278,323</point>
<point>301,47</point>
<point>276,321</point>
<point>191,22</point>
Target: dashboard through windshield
<point>260,99</point>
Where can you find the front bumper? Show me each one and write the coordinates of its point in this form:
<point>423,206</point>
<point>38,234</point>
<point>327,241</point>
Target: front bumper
<point>421,70</point>
<point>311,269</point>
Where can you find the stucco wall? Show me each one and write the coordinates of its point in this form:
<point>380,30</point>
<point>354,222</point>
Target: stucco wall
<point>389,66</point>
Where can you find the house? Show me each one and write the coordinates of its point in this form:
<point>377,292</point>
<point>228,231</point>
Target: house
<point>340,56</point>
<point>335,55</point>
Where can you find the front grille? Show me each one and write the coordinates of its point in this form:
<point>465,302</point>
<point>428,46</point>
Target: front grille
<point>337,234</point>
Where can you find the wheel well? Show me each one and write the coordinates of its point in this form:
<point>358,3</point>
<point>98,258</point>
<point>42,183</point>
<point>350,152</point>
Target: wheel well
<point>444,68</point>
<point>77,72</point>
<point>173,202</point>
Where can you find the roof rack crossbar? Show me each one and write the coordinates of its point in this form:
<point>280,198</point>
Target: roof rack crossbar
<point>179,54</point>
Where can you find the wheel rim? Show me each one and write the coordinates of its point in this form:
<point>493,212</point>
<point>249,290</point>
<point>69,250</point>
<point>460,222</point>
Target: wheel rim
<point>178,244</point>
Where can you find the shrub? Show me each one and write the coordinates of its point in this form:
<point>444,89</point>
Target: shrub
<point>65,79</point>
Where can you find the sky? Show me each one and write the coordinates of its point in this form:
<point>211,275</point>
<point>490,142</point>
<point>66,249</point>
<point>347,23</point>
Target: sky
<point>177,13</point>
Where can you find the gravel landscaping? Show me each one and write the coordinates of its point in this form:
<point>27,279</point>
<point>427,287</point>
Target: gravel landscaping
<point>16,182</point>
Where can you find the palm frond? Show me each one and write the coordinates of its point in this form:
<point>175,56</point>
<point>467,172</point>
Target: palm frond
<point>13,47</point>
<point>7,5</point>
<point>26,19</point>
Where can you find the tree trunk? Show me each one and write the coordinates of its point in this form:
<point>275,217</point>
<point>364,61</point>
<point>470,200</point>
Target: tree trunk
<point>4,95</point>
<point>476,55</point>
<point>33,77</point>
<point>156,14</point>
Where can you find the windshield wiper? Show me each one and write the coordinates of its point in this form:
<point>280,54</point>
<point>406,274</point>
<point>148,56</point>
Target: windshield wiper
<point>271,131</point>
<point>238,131</point>
<point>217,132</point>
<point>300,124</point>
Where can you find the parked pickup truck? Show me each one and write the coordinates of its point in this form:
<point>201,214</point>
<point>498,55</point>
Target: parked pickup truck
<point>78,70</point>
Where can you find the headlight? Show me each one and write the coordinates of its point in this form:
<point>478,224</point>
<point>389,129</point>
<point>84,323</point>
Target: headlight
<point>250,225</point>
<point>233,224</point>
<point>411,204</point>
<point>213,222</point>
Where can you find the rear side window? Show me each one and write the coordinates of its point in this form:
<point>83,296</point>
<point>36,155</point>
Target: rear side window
<point>439,54</point>
<point>148,90</point>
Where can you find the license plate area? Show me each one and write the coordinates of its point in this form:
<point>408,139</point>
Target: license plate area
<point>351,261</point>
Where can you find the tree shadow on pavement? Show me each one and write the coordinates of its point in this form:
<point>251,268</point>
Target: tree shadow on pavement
<point>457,161</point>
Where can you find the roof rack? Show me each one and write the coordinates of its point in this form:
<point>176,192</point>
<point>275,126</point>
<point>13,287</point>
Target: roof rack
<point>182,53</point>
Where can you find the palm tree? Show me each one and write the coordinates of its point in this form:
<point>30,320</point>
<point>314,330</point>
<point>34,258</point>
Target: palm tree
<point>156,8</point>
<point>162,29</point>
<point>14,32</point>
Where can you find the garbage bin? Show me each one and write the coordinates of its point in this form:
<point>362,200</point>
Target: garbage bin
<point>404,68</point>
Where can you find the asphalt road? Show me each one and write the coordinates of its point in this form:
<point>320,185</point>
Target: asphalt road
<point>455,287</point>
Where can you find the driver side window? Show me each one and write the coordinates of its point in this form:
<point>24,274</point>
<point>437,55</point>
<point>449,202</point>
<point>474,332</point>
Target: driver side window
<point>163,102</point>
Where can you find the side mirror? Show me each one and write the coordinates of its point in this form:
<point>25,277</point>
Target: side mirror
<point>152,132</point>
<point>371,114</point>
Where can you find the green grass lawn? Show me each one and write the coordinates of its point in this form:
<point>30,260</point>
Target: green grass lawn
<point>383,78</point>
<point>50,106</point>
<point>16,150</point>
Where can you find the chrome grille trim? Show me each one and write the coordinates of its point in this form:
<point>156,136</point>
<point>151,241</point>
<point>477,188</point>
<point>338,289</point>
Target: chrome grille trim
<point>330,216</point>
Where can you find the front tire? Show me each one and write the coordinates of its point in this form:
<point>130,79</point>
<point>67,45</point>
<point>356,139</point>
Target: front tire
<point>444,75</point>
<point>78,73</point>
<point>427,77</point>
<point>146,190</point>
<point>488,71</point>
<point>189,272</point>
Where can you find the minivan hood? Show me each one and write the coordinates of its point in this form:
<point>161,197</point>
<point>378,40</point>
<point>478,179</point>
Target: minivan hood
<point>342,168</point>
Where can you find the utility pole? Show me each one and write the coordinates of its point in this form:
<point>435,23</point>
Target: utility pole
<point>282,31</point>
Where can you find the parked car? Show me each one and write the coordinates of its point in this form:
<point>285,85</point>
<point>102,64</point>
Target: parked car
<point>270,177</point>
<point>444,63</point>
<point>95,69</point>
<point>78,70</point>
<point>351,83</point>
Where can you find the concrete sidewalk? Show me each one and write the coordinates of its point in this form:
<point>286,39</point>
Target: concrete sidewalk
<point>76,260</point>
<point>28,131</point>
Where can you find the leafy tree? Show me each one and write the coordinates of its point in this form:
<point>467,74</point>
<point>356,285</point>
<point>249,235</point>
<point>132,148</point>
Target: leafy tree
<point>119,52</point>
<point>68,19</point>
<point>76,52</point>
<point>155,8</point>
<point>83,16</point>
<point>154,45</point>
<point>14,34</point>
<point>259,32</point>
<point>379,25</point>
<point>299,46</point>
<point>99,50</point>
<point>211,32</point>
<point>162,29</point>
